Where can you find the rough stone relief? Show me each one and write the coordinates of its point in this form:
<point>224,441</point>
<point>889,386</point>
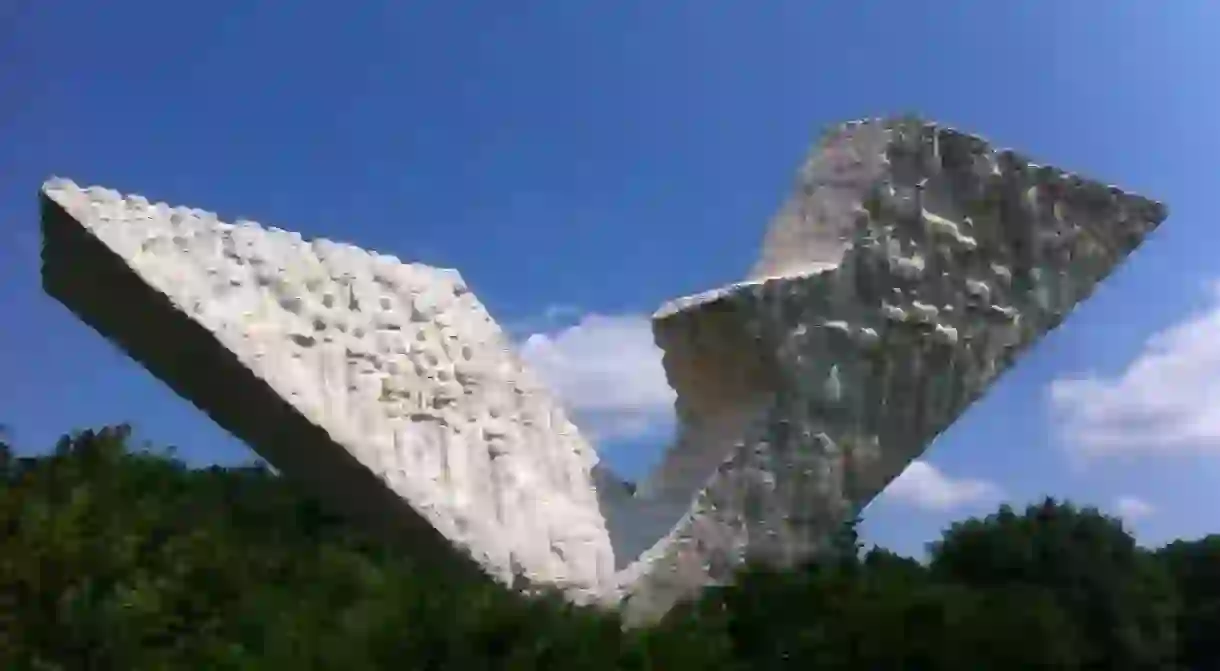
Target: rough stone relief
<point>909,268</point>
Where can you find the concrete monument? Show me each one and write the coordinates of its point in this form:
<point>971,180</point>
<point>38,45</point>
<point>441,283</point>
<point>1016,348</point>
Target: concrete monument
<point>911,266</point>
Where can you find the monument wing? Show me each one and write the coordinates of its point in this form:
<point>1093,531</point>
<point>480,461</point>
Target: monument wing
<point>911,266</point>
<point>385,387</point>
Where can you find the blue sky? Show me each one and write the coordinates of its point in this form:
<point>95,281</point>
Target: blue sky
<point>581,163</point>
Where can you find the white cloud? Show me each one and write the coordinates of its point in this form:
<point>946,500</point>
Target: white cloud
<point>1132,508</point>
<point>924,486</point>
<point>607,370</point>
<point>1165,400</point>
<point>551,319</point>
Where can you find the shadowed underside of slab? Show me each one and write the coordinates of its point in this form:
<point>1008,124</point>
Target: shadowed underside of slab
<point>909,269</point>
<point>384,387</point>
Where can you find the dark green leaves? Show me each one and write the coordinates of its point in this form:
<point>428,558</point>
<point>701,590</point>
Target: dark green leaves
<point>112,558</point>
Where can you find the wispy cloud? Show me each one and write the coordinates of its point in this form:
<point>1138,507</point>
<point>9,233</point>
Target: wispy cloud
<point>607,370</point>
<point>924,486</point>
<point>1166,400</point>
<point>1133,508</point>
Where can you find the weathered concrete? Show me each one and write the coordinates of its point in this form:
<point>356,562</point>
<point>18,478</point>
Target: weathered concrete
<point>910,267</point>
<point>385,386</point>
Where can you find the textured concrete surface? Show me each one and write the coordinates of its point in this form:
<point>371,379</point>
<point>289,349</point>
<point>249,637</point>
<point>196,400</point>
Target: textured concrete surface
<point>910,267</point>
<point>384,385</point>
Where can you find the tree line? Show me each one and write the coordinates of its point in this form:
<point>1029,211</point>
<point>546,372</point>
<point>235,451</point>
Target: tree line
<point>114,556</point>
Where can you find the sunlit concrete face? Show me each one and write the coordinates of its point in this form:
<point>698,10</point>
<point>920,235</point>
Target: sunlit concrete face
<point>909,268</point>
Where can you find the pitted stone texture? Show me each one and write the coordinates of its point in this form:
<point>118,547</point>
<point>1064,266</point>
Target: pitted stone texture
<point>911,267</point>
<point>399,363</point>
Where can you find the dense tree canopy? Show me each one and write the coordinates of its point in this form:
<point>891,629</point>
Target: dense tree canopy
<point>113,557</point>
<point>1119,600</point>
<point>1195,569</point>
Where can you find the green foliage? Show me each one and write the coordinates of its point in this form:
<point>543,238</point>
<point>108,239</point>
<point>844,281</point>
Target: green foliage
<point>116,558</point>
<point>1119,601</point>
<point>1195,568</point>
